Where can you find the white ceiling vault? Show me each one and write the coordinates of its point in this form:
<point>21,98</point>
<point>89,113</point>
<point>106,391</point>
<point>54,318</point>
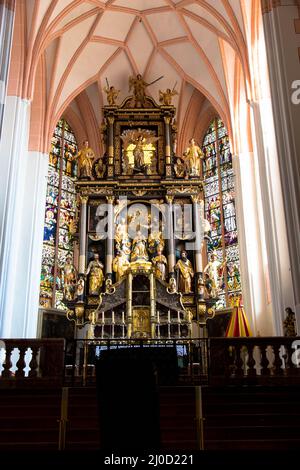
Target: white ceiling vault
<point>192,43</point>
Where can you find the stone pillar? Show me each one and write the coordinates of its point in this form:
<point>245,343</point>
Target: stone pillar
<point>7,14</point>
<point>110,237</point>
<point>282,28</point>
<point>82,244</point>
<point>23,184</point>
<point>170,236</point>
<point>110,168</point>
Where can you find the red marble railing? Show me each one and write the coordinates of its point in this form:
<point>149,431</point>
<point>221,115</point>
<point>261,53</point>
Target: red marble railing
<point>261,360</point>
<point>24,361</point>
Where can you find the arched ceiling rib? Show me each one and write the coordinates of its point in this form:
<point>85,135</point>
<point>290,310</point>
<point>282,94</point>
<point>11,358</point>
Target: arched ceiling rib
<point>85,41</point>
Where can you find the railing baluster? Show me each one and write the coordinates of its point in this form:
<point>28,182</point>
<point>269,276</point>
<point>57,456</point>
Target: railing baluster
<point>21,364</point>
<point>6,373</point>
<point>277,361</point>
<point>33,365</point>
<point>251,372</point>
<point>264,361</point>
<point>239,363</point>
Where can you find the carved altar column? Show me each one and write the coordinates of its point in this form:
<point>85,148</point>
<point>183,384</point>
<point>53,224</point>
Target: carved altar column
<point>167,120</point>
<point>110,167</point>
<point>170,236</point>
<point>129,304</point>
<point>198,211</point>
<point>110,237</point>
<point>152,305</point>
<point>82,243</point>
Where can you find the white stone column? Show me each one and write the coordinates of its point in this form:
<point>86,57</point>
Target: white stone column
<point>277,263</point>
<point>6,28</point>
<point>23,182</point>
<point>284,70</point>
<point>250,246</point>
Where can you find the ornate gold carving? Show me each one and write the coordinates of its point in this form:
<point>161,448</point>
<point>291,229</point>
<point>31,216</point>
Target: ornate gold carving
<point>187,299</point>
<point>169,198</point>
<point>196,198</point>
<point>83,199</point>
<point>111,120</point>
<point>139,192</point>
<point>110,199</point>
<point>92,300</point>
<point>167,119</point>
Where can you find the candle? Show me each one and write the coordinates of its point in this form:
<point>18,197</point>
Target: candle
<point>169,316</point>
<point>178,314</point>
<point>123,320</point>
<point>157,316</point>
<point>103,317</point>
<point>113,317</point>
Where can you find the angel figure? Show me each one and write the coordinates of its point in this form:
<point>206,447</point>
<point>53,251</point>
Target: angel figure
<point>111,94</point>
<point>165,97</point>
<point>139,138</point>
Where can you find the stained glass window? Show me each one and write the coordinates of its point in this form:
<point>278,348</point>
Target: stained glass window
<point>220,210</point>
<point>60,214</point>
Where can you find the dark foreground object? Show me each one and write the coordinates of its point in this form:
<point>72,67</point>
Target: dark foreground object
<point>127,395</point>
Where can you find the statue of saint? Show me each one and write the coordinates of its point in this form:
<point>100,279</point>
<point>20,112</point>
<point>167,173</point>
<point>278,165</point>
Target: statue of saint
<point>165,97</point>
<point>160,264</point>
<point>80,287</point>
<point>214,271</point>
<point>111,94</point>
<point>85,158</point>
<point>155,238</point>
<point>69,276</point>
<point>139,138</point>
<point>180,168</point>
<point>138,85</point>
<point>193,157</point>
<point>139,248</point>
<point>289,324</point>
<point>100,168</point>
<point>186,273</point>
<point>120,265</point>
<point>95,270</point>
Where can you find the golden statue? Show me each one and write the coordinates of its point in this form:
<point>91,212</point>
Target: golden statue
<point>186,273</point>
<point>155,238</point>
<point>214,271</point>
<point>85,158</point>
<point>165,97</point>
<point>160,264</point>
<point>180,168</point>
<point>111,94</point>
<point>139,139</point>
<point>192,157</point>
<point>69,276</point>
<point>95,270</point>
<point>139,248</point>
<point>100,168</point>
<point>138,85</point>
<point>120,265</point>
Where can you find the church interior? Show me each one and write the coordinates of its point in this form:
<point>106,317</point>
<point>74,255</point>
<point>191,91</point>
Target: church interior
<point>149,237</point>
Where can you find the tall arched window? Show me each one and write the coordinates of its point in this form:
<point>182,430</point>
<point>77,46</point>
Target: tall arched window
<point>60,214</point>
<point>220,209</point>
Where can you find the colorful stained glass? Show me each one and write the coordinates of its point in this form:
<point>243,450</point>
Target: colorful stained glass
<point>220,209</point>
<point>60,201</point>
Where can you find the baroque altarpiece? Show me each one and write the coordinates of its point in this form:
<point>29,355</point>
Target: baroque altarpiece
<point>139,268</point>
